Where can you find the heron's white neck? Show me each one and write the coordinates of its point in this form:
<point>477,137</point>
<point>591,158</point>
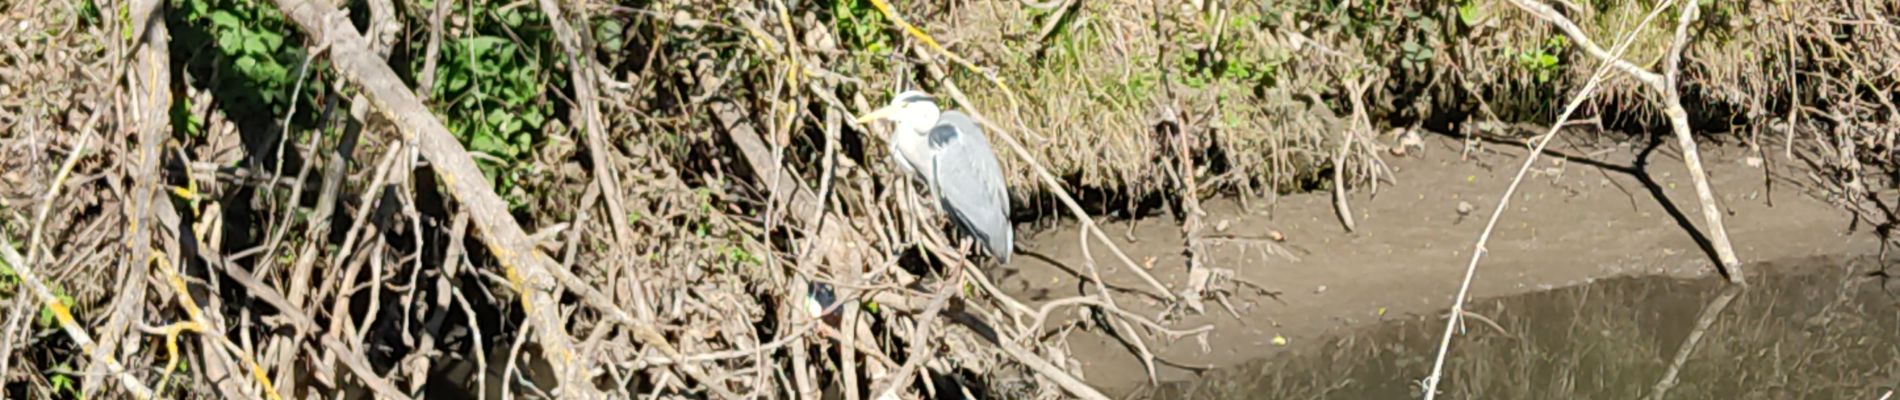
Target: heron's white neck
<point>910,142</point>
<point>917,117</point>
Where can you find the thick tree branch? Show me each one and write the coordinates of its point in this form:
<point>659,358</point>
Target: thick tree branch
<point>151,87</point>
<point>1679,122</point>
<point>1665,84</point>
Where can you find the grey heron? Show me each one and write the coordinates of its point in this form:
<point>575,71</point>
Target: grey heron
<point>951,155</point>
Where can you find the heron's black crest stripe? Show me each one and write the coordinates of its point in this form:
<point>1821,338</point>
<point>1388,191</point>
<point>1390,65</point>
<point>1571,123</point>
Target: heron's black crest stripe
<point>942,134</point>
<point>913,97</point>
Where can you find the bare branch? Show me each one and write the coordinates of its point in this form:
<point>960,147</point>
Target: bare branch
<point>151,80</point>
<point>1464,289</point>
<point>1545,12</point>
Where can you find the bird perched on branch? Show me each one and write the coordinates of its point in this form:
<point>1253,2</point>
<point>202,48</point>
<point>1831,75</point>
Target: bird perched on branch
<point>951,155</point>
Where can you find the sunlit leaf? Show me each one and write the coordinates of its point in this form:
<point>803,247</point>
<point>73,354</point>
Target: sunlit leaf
<point>225,19</point>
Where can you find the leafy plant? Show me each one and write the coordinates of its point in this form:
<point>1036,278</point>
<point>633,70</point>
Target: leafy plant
<point>255,57</point>
<point>64,383</point>
<point>1543,60</point>
<point>1235,61</point>
<point>491,89</point>
<point>1417,50</point>
<point>860,26</point>
<point>47,317</point>
<point>1473,12</point>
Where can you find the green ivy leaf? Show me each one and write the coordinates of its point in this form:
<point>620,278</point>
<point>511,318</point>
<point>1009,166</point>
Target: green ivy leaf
<point>230,43</point>
<point>196,9</point>
<point>480,45</point>
<point>509,126</point>
<point>272,40</point>
<point>61,383</point>
<point>496,116</point>
<point>523,141</point>
<point>457,82</point>
<point>225,19</point>
<point>246,65</point>
<point>1470,14</point>
<point>485,144</point>
<point>533,118</point>
<point>255,45</point>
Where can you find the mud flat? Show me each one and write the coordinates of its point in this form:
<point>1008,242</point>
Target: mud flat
<point>1609,211</point>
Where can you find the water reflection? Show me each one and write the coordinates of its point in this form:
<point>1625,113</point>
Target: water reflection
<point>1818,328</point>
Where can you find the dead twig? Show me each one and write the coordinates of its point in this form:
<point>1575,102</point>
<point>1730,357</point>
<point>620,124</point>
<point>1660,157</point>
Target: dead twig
<point>1043,368</point>
<point>580,67</point>
<point>1342,209</point>
<point>921,341</point>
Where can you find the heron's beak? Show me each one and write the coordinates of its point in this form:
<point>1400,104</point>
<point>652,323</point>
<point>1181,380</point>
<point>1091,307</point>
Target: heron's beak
<point>881,113</point>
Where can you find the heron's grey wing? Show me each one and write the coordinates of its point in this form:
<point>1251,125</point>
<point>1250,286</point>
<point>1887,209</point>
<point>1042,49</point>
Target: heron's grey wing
<point>969,183</point>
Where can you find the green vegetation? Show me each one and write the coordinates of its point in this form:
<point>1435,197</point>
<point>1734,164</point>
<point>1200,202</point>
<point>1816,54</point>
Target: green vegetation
<point>254,54</point>
<point>493,77</point>
<point>1542,60</point>
<point>861,27</point>
<point>492,90</point>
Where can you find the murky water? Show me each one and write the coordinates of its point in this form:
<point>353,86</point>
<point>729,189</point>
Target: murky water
<point>1820,330</point>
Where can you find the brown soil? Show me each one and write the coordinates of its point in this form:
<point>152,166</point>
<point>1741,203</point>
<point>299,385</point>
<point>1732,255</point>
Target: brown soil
<point>1576,221</point>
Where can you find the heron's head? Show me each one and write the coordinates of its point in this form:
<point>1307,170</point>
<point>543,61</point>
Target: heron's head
<point>909,109</point>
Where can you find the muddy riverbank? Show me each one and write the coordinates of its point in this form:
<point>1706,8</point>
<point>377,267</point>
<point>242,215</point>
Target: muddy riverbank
<point>1612,210</point>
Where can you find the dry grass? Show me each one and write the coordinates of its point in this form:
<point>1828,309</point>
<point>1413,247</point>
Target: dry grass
<point>1100,81</point>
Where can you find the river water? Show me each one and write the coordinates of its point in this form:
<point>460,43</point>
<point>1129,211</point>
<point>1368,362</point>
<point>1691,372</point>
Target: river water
<point>1816,328</point>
